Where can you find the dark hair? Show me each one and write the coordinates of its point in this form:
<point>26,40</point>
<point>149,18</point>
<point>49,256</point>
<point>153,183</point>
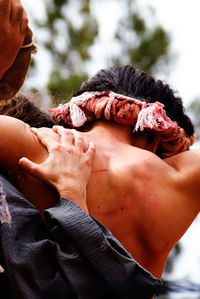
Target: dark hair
<point>128,81</point>
<point>22,108</point>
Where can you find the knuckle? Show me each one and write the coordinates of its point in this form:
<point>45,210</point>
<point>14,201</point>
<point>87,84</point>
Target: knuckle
<point>66,131</point>
<point>92,147</point>
<point>87,159</point>
<point>56,147</point>
<point>70,150</point>
<point>79,138</point>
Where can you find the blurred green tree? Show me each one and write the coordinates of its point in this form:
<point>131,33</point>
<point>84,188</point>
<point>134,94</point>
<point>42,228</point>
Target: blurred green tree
<point>73,29</point>
<point>194,112</point>
<point>143,43</point>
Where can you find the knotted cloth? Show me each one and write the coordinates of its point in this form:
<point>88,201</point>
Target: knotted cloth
<point>142,116</point>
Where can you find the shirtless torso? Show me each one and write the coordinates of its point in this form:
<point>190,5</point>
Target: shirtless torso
<point>146,202</point>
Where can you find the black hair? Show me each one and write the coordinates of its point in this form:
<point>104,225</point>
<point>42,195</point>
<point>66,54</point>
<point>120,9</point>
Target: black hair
<point>134,83</point>
<point>24,109</point>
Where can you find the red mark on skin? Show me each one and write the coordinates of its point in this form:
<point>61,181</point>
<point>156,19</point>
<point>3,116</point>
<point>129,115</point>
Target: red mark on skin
<point>100,170</point>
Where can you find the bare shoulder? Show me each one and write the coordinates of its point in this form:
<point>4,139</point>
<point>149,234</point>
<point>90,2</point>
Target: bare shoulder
<point>187,165</point>
<point>148,164</point>
<point>16,140</point>
<point>167,194</point>
<point>185,159</point>
<point>12,135</point>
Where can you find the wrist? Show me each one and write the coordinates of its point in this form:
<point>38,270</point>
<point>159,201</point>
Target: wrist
<point>78,196</point>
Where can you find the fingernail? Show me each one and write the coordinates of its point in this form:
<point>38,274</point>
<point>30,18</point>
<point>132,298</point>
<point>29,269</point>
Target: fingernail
<point>34,129</point>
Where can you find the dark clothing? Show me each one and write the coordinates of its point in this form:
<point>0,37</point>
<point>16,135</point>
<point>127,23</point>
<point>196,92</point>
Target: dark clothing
<point>71,256</point>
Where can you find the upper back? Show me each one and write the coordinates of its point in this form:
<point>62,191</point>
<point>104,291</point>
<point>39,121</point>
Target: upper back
<point>146,202</point>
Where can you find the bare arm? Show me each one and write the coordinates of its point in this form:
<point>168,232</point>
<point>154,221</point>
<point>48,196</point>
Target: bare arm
<point>13,26</point>
<point>68,166</point>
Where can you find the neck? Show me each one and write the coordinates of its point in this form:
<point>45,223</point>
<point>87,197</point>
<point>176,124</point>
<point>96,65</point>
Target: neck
<point>110,130</point>
<point>110,133</point>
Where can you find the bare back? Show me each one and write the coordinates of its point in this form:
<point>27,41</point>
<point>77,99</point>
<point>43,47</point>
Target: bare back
<point>146,202</point>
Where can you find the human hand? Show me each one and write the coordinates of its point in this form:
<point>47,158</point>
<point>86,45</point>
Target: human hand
<point>68,166</point>
<point>13,26</point>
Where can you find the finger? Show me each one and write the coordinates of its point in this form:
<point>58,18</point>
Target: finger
<point>29,166</point>
<point>47,141</point>
<point>79,140</point>
<point>5,9</point>
<point>57,128</point>
<point>66,135</point>
<point>34,130</point>
<point>91,152</point>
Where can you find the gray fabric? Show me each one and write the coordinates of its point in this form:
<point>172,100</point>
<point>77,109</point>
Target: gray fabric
<point>4,211</point>
<point>71,256</point>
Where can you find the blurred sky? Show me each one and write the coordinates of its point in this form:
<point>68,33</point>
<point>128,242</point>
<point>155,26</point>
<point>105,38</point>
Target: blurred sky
<point>181,18</point>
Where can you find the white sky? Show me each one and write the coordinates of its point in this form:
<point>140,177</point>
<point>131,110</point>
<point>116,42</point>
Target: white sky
<point>182,19</point>
<point>179,17</point>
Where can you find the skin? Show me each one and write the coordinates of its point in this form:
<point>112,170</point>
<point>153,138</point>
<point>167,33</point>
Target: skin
<point>146,202</point>
<point>69,157</point>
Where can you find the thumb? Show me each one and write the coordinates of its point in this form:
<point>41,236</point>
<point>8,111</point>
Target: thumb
<point>29,166</point>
